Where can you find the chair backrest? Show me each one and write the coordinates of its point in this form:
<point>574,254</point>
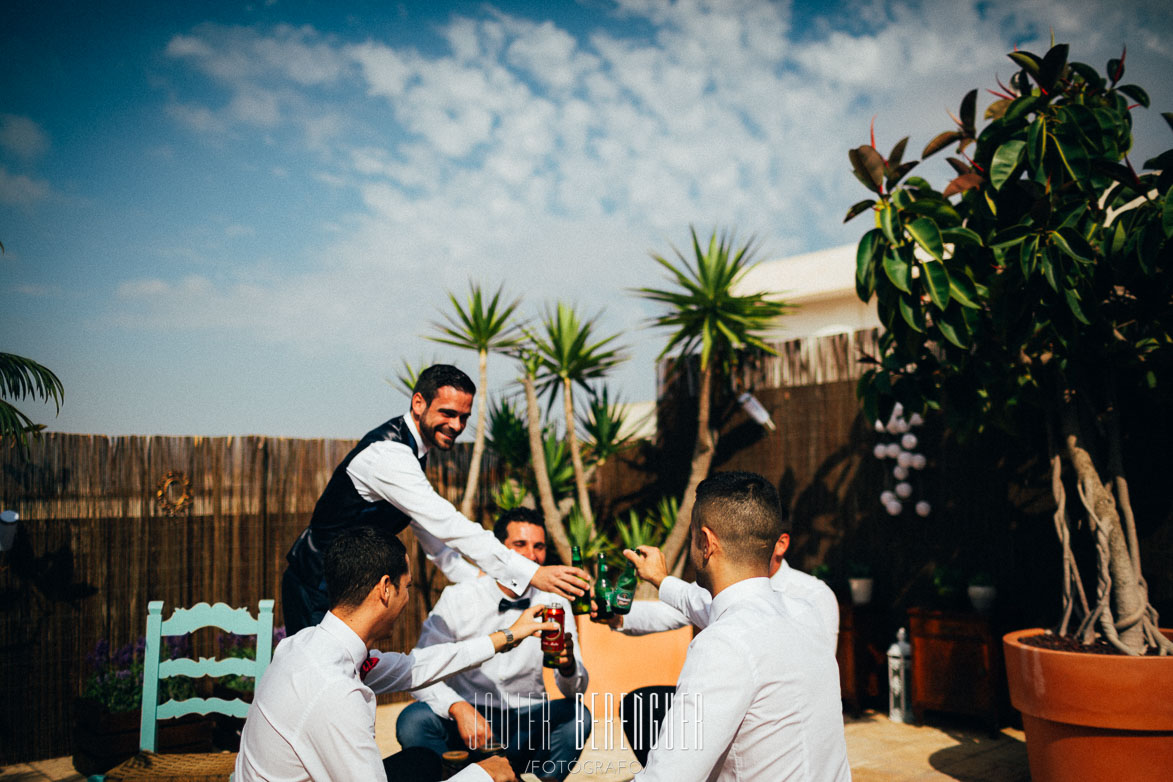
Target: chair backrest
<point>186,620</point>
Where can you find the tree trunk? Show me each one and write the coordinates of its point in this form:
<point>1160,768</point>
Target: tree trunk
<point>1127,603</point>
<point>702,460</point>
<point>533,420</point>
<point>478,446</point>
<point>580,482</point>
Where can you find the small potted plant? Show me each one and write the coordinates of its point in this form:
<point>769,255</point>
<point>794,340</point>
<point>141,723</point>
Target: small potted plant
<point>981,591</point>
<point>108,713</point>
<point>860,582</point>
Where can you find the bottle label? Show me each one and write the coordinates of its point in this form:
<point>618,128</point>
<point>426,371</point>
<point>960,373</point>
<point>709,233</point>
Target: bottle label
<point>623,600</point>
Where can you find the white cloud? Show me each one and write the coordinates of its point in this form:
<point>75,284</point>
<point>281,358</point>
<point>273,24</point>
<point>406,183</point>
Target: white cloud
<point>22,137</point>
<point>554,159</point>
<point>21,190</point>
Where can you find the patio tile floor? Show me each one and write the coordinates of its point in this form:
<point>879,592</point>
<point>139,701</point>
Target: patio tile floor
<point>879,751</point>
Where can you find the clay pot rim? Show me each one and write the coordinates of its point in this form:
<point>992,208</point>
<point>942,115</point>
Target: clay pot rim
<point>1014,636</point>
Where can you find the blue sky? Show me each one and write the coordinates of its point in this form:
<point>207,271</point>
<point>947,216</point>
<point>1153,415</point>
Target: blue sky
<point>234,218</point>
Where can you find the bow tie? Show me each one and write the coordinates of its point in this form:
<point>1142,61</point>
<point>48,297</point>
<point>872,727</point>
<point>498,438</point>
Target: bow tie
<point>505,605</point>
<point>366,666</point>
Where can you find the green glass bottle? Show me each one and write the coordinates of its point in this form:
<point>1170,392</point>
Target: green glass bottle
<point>624,591</point>
<point>581,604</point>
<point>603,611</point>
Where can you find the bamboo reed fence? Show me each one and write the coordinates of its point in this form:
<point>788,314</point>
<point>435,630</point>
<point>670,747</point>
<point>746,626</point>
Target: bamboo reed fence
<point>95,543</point>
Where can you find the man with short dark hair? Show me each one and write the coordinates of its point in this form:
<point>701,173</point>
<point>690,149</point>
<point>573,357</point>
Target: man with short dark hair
<point>313,715</point>
<point>381,482</point>
<point>505,699</point>
<point>761,690</point>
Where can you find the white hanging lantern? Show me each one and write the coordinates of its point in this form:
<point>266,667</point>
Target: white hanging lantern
<point>908,441</point>
<point>904,490</point>
<point>918,461</point>
<point>923,509</point>
<point>899,473</point>
<point>905,459</point>
<point>893,450</point>
<point>887,498</point>
<point>880,451</point>
<point>894,508</point>
<point>915,419</point>
<point>879,426</point>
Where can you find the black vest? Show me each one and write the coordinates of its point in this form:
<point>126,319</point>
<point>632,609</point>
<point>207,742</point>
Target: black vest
<point>341,506</point>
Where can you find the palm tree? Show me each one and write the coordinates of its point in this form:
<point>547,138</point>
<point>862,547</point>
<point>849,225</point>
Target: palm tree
<point>481,326</point>
<point>22,377</point>
<point>569,357</point>
<point>531,362</point>
<point>707,317</point>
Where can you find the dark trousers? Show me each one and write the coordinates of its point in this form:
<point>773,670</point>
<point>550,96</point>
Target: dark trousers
<point>301,605</point>
<point>641,712</point>
<point>414,764</point>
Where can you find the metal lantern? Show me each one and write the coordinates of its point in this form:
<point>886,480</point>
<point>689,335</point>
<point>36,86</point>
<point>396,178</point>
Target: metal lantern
<point>899,662</point>
<point>8,521</point>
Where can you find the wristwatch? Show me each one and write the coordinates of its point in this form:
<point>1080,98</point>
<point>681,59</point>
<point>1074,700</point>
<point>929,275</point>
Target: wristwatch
<point>508,636</point>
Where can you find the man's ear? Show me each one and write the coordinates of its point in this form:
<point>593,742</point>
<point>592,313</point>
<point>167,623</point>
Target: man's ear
<point>781,545</point>
<point>708,542</point>
<point>384,588</point>
<point>418,405</point>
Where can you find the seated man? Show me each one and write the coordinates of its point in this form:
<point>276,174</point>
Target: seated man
<point>758,696</point>
<point>505,699</point>
<point>313,716</point>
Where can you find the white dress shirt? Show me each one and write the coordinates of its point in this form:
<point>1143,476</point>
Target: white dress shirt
<point>313,718</point>
<point>683,603</point>
<point>390,471</point>
<point>757,700</point>
<point>512,679</point>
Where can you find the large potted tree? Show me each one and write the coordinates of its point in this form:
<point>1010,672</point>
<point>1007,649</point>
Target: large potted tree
<point>1035,292</point>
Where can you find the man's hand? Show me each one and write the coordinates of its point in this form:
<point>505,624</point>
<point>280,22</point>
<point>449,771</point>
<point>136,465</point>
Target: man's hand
<point>498,768</point>
<point>649,563</point>
<point>570,582</point>
<point>567,665</point>
<point>615,622</point>
<point>530,622</point>
<point>474,729</point>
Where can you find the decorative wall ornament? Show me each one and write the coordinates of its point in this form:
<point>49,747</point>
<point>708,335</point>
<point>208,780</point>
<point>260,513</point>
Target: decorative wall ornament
<point>173,494</point>
<point>908,463</point>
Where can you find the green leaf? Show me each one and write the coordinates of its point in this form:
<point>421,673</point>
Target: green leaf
<point>1073,305</point>
<point>1036,140</point>
<point>897,153</point>
<point>913,315</point>
<point>1028,255</point>
<point>1011,236</point>
<point>1021,107</point>
<point>1027,61</point>
<point>951,324</point>
<point>961,290</point>
<point>1167,213</point>
<point>1050,270</point>
<point>868,167</point>
<point>1051,68</point>
<point>1006,161</point>
<point>961,236</point>
<point>926,233</point>
<point>865,255</point>
<point>940,141</point>
<point>968,111</point>
<point>890,224</point>
<point>859,207</point>
<point>1088,73</point>
<point>898,271</point>
<point>936,279</point>
<point>1071,242</point>
<point>940,210</point>
<point>1115,70</point>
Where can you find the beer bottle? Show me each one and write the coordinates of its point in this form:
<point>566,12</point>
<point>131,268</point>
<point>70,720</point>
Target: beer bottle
<point>602,592</point>
<point>582,603</point>
<point>624,591</point>
<point>553,641</point>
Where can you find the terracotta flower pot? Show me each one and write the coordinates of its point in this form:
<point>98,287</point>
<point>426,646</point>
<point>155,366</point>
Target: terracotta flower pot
<point>1092,716</point>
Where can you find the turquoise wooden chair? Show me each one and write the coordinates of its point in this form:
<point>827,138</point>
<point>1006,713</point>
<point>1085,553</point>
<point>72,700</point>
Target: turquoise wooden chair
<point>193,766</point>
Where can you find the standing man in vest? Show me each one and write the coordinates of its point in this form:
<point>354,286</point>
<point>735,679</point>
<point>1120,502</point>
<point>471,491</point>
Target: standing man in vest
<point>381,483</point>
